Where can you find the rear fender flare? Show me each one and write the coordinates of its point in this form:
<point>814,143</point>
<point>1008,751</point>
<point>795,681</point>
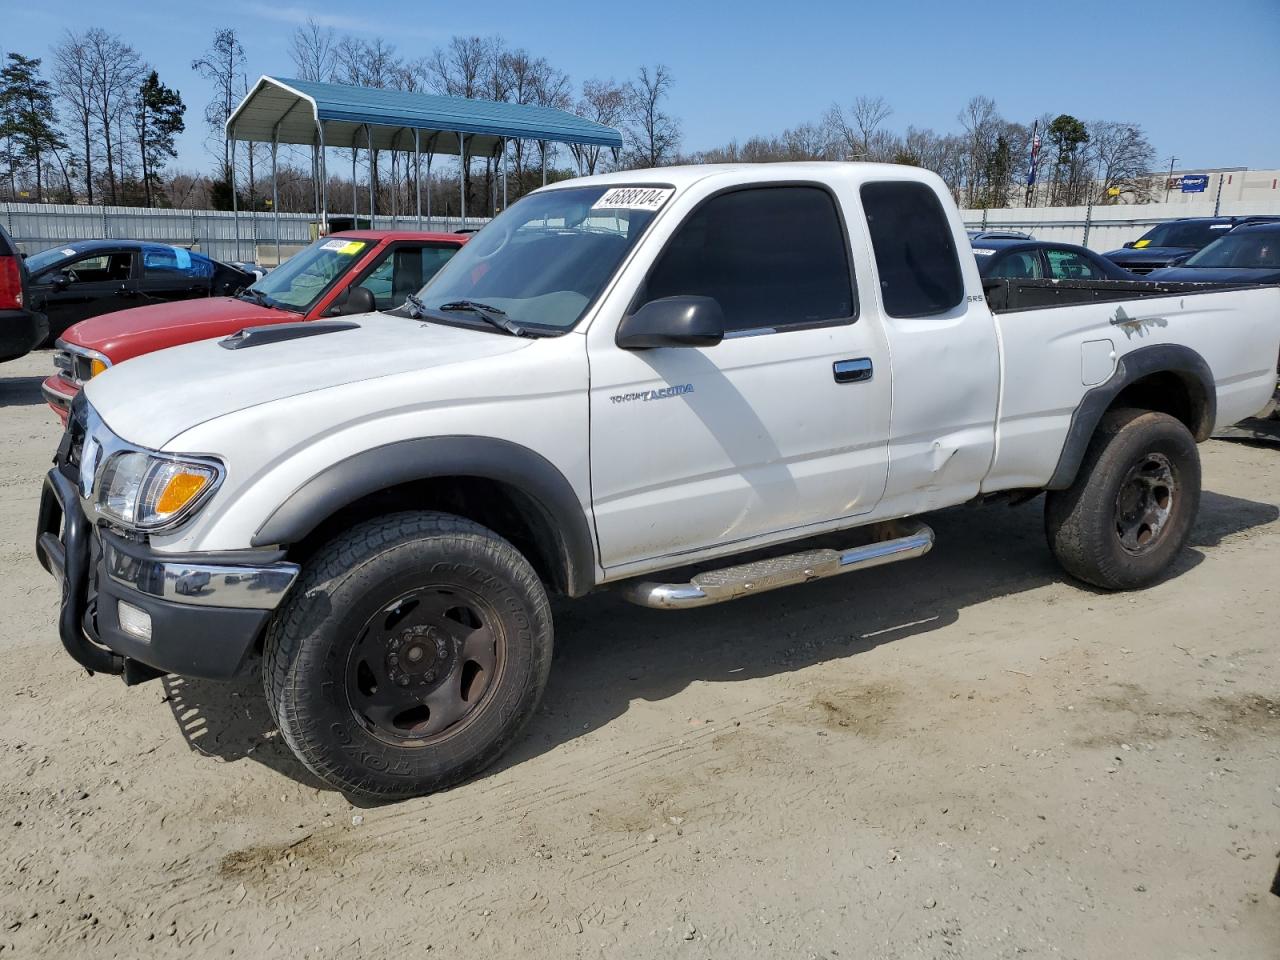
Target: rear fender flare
<point>1181,361</point>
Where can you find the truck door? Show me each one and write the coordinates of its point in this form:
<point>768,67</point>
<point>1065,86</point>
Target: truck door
<point>782,425</point>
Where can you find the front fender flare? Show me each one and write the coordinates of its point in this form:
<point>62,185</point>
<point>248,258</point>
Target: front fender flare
<point>406,461</point>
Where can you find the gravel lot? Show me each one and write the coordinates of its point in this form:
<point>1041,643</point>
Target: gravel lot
<point>960,756</point>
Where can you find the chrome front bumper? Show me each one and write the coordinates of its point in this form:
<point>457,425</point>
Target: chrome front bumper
<point>200,584</point>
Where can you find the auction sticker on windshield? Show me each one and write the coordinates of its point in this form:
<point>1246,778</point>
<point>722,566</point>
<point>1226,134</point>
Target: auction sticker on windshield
<point>633,198</point>
<point>346,247</point>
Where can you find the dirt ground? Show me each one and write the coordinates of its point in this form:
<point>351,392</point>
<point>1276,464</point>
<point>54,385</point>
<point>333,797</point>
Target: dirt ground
<point>959,756</point>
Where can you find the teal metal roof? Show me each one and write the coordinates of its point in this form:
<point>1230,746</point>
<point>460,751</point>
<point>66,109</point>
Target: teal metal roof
<point>291,109</point>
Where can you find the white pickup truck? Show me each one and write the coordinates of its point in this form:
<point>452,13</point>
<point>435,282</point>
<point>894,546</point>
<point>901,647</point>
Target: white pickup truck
<point>668,382</point>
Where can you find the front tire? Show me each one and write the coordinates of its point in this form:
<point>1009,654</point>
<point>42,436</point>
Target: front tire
<point>409,656</point>
<point>1129,512</point>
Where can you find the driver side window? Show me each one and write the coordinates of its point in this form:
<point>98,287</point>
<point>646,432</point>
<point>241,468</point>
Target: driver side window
<point>95,268</point>
<point>773,257</point>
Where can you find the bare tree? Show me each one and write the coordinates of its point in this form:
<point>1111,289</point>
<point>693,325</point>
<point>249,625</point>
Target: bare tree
<point>74,81</point>
<point>603,101</point>
<point>857,131</point>
<point>117,72</point>
<point>1122,156</point>
<point>459,70</point>
<point>313,50</point>
<point>653,135</point>
<point>808,141</point>
<point>223,65</point>
<point>981,125</point>
<point>368,63</point>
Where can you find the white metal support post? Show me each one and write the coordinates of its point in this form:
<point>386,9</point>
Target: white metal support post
<point>462,181</point>
<point>275,190</point>
<point>417,176</point>
<point>235,205</point>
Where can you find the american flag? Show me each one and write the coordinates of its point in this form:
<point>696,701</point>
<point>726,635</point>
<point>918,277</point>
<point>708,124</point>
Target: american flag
<point>1035,154</point>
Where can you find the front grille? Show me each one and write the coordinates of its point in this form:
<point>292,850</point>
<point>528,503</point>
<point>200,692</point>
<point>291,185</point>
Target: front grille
<point>73,366</point>
<point>72,445</point>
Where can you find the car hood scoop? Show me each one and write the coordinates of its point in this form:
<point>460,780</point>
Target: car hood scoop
<point>280,332</point>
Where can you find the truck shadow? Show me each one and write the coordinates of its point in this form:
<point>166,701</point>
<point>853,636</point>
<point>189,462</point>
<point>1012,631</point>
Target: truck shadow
<point>21,391</point>
<point>610,653</point>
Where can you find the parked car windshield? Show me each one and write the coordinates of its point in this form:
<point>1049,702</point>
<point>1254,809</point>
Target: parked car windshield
<point>1259,250</point>
<point>1186,234</point>
<point>39,262</point>
<point>306,276</point>
<point>545,259</point>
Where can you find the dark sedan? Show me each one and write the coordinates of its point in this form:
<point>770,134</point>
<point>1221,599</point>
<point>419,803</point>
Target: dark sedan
<point>1168,243</point>
<point>87,278</point>
<point>1248,254</point>
<point>1036,259</point>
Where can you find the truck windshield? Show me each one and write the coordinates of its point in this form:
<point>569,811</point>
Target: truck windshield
<point>1257,250</point>
<point>545,259</point>
<point>306,276</point>
<point>1188,233</point>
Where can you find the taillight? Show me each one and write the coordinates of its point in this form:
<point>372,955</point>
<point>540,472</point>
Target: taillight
<point>10,284</point>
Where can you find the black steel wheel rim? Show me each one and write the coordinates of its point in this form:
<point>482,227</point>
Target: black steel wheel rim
<point>1144,503</point>
<point>423,664</point>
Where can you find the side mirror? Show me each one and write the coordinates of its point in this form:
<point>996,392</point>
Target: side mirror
<point>60,281</point>
<point>673,322</point>
<point>357,300</point>
<point>1180,258</point>
<point>1128,245</point>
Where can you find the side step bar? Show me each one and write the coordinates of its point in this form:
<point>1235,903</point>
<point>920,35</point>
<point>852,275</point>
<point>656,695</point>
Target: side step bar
<point>717,586</point>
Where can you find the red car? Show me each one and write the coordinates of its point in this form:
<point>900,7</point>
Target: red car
<point>384,266</point>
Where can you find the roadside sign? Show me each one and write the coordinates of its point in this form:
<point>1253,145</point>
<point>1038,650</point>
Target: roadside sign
<point>1196,183</point>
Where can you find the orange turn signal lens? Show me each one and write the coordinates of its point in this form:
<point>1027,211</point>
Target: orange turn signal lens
<point>96,367</point>
<point>182,488</point>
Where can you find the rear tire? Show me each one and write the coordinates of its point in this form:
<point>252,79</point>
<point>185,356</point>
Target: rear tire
<point>409,656</point>
<point>1128,514</point>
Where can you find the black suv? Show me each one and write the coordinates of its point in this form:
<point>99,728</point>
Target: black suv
<point>1167,243</point>
<point>20,328</point>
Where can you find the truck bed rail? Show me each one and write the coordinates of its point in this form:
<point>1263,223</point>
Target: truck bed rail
<point>1008,296</point>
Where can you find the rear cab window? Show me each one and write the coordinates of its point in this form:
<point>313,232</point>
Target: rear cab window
<point>914,249</point>
<point>774,258</point>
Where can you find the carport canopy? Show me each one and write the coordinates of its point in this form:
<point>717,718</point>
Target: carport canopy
<point>323,115</point>
<point>336,115</point>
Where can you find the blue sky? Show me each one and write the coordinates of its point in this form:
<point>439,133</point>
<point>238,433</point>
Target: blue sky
<point>1203,78</point>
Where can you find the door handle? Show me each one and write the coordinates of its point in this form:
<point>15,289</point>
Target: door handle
<point>852,371</point>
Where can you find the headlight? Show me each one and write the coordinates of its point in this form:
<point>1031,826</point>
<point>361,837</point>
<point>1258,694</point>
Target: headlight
<point>146,491</point>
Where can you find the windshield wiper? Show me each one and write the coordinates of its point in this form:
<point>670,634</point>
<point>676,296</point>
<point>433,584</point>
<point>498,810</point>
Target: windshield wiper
<point>491,315</point>
<point>258,297</point>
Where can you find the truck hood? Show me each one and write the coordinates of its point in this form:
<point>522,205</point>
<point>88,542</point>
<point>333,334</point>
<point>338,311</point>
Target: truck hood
<point>152,399</point>
<point>1144,255</point>
<point>126,334</point>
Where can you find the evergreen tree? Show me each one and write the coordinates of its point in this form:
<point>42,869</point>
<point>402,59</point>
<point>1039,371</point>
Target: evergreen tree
<point>159,121</point>
<point>27,119</point>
